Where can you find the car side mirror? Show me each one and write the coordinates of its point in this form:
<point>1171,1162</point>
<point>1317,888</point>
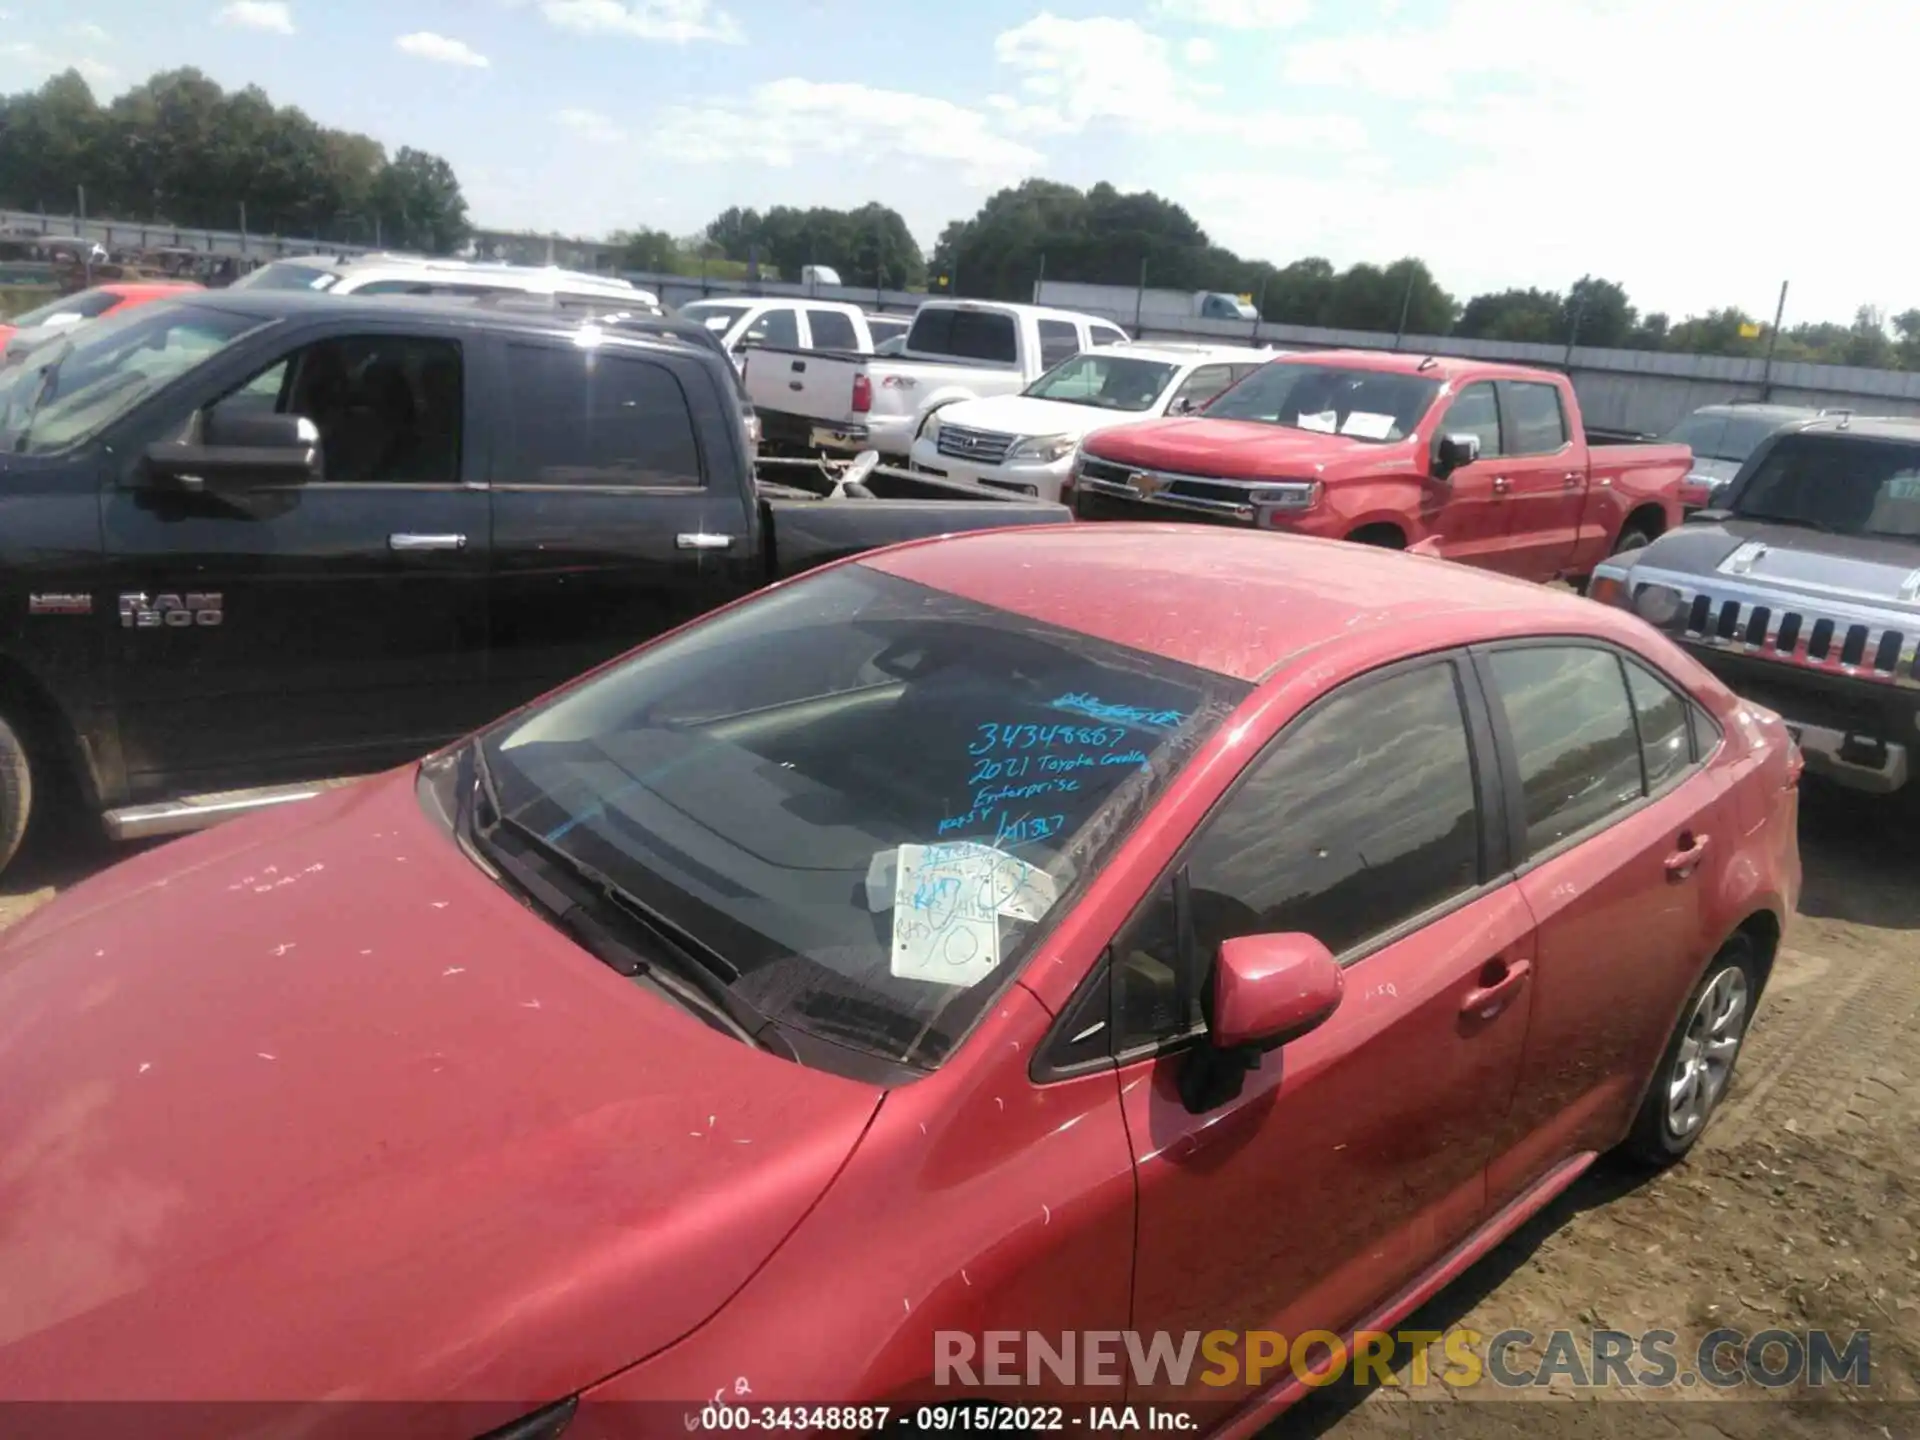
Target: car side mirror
<point>237,450</point>
<point>1182,406</point>
<point>1454,452</point>
<point>1267,990</point>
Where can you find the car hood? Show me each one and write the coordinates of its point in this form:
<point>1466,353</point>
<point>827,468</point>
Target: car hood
<point>1883,574</point>
<point>1025,415</point>
<point>306,1108</point>
<point>1240,449</point>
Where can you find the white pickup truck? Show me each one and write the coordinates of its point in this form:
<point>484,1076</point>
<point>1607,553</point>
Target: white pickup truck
<point>957,350</point>
<point>783,324</point>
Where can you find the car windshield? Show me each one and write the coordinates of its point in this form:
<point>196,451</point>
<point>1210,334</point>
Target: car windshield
<point>1723,437</point>
<point>1372,405</point>
<point>287,275</point>
<point>715,316</point>
<point>1112,382</point>
<point>70,391</point>
<point>84,306</point>
<point>869,796</point>
<point>1836,483</point>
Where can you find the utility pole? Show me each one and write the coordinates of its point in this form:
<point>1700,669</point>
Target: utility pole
<point>1773,344</point>
<point>1406,304</point>
<point>1140,297</point>
<point>1259,308</point>
<point>86,251</point>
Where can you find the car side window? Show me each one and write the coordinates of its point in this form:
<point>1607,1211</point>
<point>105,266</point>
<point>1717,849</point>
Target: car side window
<point>1573,737</point>
<point>832,330</point>
<point>388,407</point>
<point>1476,411</point>
<point>1360,817</point>
<point>592,417</point>
<point>1666,747</point>
<point>1107,335</point>
<point>1201,386</point>
<point>1059,340</point>
<point>778,327</point>
<point>1538,425</point>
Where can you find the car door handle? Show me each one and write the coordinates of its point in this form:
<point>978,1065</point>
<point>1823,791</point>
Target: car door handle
<point>1686,859</point>
<point>700,540</point>
<point>1501,484</point>
<point>426,542</point>
<point>1572,479</point>
<point>1483,1002</point>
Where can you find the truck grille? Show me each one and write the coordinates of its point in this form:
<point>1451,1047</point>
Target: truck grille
<point>1798,636</point>
<point>986,447</point>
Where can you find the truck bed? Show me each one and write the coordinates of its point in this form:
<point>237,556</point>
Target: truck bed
<point>807,525</point>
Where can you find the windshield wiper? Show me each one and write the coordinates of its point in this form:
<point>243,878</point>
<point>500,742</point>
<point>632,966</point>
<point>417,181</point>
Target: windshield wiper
<point>603,919</point>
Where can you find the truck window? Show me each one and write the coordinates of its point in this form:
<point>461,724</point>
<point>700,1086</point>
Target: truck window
<point>592,417</point>
<point>1539,425</point>
<point>1107,335</point>
<point>1059,340</point>
<point>832,330</point>
<point>1475,412</point>
<point>1839,484</point>
<point>774,327</point>
<point>388,407</point>
<point>966,335</point>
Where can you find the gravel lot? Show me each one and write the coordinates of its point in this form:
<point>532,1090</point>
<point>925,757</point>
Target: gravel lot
<point>1800,1209</point>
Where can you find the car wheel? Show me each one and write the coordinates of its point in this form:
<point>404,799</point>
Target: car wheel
<point>16,791</point>
<point>1697,1068</point>
<point>1631,540</point>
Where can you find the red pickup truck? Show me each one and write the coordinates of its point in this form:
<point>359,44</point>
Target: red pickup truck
<point>1481,463</point>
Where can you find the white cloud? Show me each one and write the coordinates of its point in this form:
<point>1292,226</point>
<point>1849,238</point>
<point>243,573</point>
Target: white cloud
<point>782,122</point>
<point>1235,14</point>
<point>1075,74</point>
<point>46,62</point>
<point>1200,51</point>
<point>441,50</point>
<point>591,126</point>
<point>273,15</point>
<point>91,33</point>
<point>675,21</point>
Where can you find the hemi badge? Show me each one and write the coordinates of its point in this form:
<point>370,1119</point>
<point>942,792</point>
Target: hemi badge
<point>1742,561</point>
<point>56,603</point>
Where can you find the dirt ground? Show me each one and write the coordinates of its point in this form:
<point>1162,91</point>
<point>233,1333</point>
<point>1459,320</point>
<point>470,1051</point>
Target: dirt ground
<point>1799,1210</point>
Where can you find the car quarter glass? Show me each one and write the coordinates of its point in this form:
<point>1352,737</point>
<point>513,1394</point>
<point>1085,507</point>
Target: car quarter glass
<point>808,785</point>
<point>1361,816</point>
<point>1666,746</point>
<point>1573,736</point>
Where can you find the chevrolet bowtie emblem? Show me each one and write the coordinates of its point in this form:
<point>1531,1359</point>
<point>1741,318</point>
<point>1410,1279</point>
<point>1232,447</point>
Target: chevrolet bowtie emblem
<point>1147,484</point>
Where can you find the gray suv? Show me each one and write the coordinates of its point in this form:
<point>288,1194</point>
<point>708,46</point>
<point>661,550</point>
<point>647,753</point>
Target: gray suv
<point>1723,436</point>
<point>1802,591</point>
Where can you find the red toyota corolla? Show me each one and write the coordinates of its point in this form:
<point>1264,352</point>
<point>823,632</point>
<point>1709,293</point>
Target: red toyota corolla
<point>1100,928</point>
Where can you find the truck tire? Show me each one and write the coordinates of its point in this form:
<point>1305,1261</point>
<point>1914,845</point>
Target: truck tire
<point>1696,1069</point>
<point>1381,537</point>
<point>16,791</point>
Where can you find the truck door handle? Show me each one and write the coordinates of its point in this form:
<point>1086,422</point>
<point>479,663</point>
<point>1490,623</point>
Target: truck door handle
<point>1501,484</point>
<point>426,542</point>
<point>1483,1002</point>
<point>795,385</point>
<point>700,540</point>
<point>1572,477</point>
<point>1686,859</point>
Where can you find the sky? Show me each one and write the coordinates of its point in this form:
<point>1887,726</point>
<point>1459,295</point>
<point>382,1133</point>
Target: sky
<point>1697,151</point>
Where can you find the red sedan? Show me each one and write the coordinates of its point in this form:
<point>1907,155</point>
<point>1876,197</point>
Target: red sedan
<point>1100,928</point>
<point>58,316</point>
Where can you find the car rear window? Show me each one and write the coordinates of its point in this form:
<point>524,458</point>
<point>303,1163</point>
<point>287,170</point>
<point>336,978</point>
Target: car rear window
<point>988,335</point>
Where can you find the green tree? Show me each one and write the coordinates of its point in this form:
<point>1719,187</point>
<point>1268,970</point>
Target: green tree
<point>1718,332</point>
<point>654,251</point>
<point>1535,316</point>
<point>418,201</point>
<point>1597,313</point>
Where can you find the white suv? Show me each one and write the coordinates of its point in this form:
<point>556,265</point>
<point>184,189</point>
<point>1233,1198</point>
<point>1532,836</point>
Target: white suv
<point>418,275</point>
<point>1026,442</point>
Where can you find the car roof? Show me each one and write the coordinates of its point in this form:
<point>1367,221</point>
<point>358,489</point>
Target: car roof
<point>642,330</point>
<point>410,266</point>
<point>1864,427</point>
<point>1412,362</point>
<point>1239,603</point>
<point>1176,354</point>
<point>1760,408</point>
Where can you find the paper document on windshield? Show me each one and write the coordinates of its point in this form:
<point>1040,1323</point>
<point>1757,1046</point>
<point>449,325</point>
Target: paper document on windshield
<point>947,904</point>
<point>1367,425</point>
<point>1325,421</point>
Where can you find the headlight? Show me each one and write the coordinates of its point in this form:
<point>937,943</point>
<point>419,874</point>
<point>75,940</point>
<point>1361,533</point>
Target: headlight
<point>1658,605</point>
<point>1285,497</point>
<point>1044,448</point>
<point>930,428</point>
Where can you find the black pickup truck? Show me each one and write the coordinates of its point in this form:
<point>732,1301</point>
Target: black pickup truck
<point>255,542</point>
